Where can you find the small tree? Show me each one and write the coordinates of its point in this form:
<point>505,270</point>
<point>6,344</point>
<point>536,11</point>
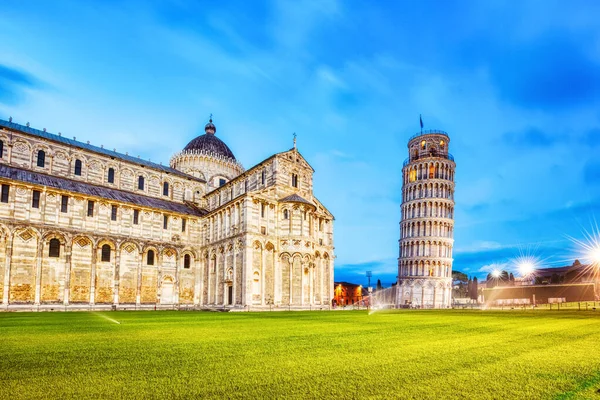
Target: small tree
<point>379,287</point>
<point>469,287</point>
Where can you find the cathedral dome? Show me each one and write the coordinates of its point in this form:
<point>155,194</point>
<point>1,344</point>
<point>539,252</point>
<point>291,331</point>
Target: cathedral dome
<point>209,143</point>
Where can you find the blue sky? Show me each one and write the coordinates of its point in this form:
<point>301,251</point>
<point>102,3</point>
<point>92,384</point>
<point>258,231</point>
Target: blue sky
<point>515,84</point>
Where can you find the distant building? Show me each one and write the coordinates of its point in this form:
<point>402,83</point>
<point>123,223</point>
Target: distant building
<point>427,225</point>
<point>576,273</point>
<point>539,294</point>
<point>577,282</point>
<point>345,293</point>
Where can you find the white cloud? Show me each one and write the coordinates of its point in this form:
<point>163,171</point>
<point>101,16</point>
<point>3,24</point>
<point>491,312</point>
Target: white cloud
<point>491,267</point>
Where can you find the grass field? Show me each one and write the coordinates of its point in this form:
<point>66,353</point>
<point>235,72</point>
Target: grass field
<point>405,354</point>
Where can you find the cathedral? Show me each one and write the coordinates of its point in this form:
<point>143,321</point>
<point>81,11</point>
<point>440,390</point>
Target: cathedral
<point>85,227</point>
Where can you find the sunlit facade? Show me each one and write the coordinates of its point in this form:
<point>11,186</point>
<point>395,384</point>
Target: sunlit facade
<point>427,225</point>
<point>82,226</point>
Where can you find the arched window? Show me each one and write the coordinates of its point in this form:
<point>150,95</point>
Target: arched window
<point>105,253</point>
<point>141,182</point>
<point>78,167</point>
<point>150,257</point>
<point>262,177</point>
<point>111,175</point>
<point>41,159</point>
<point>54,248</point>
<point>294,180</point>
<point>1,148</point>
<point>413,175</point>
<point>187,261</point>
<point>286,214</point>
<point>166,189</point>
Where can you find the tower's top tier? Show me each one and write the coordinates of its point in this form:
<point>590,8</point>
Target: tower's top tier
<point>428,144</point>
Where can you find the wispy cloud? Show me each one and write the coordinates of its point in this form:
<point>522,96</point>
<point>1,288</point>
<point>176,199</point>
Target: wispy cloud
<point>14,82</point>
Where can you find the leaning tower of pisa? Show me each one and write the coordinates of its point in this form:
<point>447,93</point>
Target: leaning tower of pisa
<point>427,224</point>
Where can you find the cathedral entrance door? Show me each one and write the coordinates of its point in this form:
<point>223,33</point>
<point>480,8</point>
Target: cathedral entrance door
<point>230,295</point>
<point>166,292</point>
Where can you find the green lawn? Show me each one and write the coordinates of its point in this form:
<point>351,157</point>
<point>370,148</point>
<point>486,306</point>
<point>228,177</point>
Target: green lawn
<point>405,354</point>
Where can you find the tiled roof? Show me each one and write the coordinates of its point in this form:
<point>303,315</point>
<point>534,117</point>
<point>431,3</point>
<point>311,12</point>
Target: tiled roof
<point>69,185</point>
<point>210,144</point>
<point>95,149</point>
<point>295,198</point>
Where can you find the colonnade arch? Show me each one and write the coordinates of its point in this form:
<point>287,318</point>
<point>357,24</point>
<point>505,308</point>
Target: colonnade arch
<point>77,273</point>
<point>429,228</point>
<point>428,209</point>
<point>426,248</point>
<point>417,171</point>
<point>442,190</point>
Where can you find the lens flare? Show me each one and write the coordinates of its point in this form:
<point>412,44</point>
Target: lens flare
<point>589,247</point>
<point>527,263</point>
<point>526,268</point>
<point>496,273</point>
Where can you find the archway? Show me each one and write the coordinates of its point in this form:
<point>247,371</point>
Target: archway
<point>167,290</point>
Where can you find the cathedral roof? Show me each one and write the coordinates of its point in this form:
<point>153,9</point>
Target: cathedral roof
<point>70,185</point>
<point>86,146</point>
<point>210,143</point>
<point>295,198</point>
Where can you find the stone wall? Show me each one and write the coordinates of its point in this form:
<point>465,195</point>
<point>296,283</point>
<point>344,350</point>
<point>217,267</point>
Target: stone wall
<point>22,149</point>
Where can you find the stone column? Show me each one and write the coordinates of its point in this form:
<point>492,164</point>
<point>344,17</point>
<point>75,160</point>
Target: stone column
<point>321,286</point>
<point>117,274</point>
<point>208,269</point>
<point>9,151</point>
<point>311,277</point>
<point>276,278</point>
<point>138,294</point>
<point>38,272</point>
<point>291,279</point>
<point>234,282</point>
<point>93,275</point>
<point>9,246</point>
<point>68,254</point>
<point>434,297</point>
<point>247,274</point>
<point>176,283</point>
<point>197,281</point>
<point>330,288</point>
<point>217,262</point>
<point>444,297</point>
<point>223,279</point>
<point>262,275</point>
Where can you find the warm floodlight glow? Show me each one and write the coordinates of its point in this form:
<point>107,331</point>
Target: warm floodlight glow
<point>526,268</point>
<point>527,262</point>
<point>589,246</point>
<point>496,273</point>
<point>594,255</point>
